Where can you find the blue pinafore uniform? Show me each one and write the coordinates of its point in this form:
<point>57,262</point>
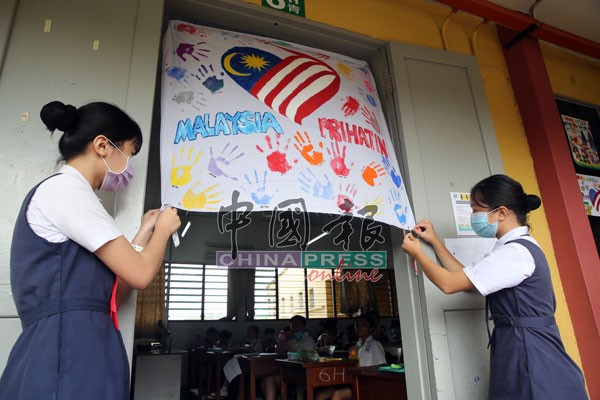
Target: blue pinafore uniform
<point>528,359</point>
<point>69,348</point>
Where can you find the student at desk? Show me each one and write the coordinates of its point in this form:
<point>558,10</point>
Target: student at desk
<point>370,352</point>
<point>298,340</point>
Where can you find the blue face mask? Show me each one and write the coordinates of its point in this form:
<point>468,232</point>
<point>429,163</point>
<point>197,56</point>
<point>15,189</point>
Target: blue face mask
<point>481,226</point>
<point>298,335</point>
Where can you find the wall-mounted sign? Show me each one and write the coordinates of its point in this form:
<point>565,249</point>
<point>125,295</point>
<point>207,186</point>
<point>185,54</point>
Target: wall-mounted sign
<point>581,141</point>
<point>590,192</point>
<point>294,7</point>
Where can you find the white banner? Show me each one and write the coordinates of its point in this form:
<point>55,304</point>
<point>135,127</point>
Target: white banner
<point>265,121</point>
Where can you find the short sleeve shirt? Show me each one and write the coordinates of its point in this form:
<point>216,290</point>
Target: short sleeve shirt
<point>65,207</point>
<point>305,343</point>
<point>370,352</point>
<point>506,266</point>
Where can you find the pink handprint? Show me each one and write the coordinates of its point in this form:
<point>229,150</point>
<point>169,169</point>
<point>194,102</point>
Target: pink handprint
<point>372,172</point>
<point>345,198</point>
<point>350,107</point>
<point>338,160</point>
<point>277,160</point>
<point>371,119</point>
<point>188,48</point>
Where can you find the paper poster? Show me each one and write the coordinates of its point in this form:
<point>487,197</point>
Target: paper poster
<point>583,148</point>
<point>461,205</point>
<point>469,251</point>
<point>262,122</point>
<point>590,192</point>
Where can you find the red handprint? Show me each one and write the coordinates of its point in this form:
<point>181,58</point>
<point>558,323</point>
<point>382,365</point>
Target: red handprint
<point>345,198</point>
<point>306,149</point>
<point>350,107</point>
<point>372,172</point>
<point>338,160</point>
<point>277,160</point>
<point>371,119</point>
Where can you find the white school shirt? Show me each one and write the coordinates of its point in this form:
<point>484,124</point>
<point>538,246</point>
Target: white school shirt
<point>370,352</point>
<point>305,343</point>
<point>506,266</point>
<point>66,207</point>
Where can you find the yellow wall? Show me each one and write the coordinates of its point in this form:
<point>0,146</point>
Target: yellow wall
<point>419,22</point>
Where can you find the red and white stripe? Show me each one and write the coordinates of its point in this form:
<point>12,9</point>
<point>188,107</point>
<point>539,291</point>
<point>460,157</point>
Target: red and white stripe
<point>297,86</point>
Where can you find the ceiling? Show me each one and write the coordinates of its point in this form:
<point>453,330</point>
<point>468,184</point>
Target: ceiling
<point>579,17</point>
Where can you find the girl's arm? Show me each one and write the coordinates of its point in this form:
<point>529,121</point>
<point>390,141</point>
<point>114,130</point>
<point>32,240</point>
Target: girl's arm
<point>135,269</point>
<point>424,229</point>
<point>447,281</point>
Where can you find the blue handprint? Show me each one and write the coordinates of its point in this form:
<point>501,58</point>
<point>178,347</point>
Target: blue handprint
<point>311,185</point>
<point>258,189</point>
<point>395,199</point>
<point>396,178</point>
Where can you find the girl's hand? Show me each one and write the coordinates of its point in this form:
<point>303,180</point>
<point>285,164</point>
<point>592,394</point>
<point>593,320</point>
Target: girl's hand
<point>149,220</point>
<point>411,245</point>
<point>168,220</point>
<point>424,229</point>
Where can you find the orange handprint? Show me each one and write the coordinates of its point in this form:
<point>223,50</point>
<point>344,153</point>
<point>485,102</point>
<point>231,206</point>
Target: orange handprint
<point>306,149</point>
<point>372,172</point>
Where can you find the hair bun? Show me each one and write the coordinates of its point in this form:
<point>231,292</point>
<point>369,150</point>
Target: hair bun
<point>532,202</point>
<point>57,115</point>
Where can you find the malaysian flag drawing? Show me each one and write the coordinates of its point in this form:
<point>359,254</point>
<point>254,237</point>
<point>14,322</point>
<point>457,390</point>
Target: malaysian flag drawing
<point>294,86</point>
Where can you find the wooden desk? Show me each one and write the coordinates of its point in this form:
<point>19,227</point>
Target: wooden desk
<point>372,384</point>
<point>217,360</point>
<point>253,367</point>
<point>314,374</point>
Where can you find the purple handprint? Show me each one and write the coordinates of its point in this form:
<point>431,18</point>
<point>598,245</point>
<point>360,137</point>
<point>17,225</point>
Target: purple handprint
<point>190,49</point>
<point>214,165</point>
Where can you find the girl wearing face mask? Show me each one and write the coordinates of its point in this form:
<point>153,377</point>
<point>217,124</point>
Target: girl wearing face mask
<point>71,265</point>
<point>527,359</point>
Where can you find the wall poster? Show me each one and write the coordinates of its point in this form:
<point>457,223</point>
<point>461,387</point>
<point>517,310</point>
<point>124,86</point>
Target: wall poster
<point>581,141</point>
<point>590,192</point>
<point>263,122</point>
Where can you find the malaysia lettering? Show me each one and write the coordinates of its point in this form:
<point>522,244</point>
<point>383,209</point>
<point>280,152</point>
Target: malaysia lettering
<point>343,132</point>
<point>245,122</point>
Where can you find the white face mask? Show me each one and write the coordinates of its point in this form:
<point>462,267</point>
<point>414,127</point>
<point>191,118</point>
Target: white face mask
<point>115,181</point>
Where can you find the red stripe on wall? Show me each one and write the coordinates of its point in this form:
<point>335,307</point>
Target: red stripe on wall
<point>572,238</point>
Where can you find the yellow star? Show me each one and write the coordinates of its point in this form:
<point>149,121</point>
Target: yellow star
<point>254,61</point>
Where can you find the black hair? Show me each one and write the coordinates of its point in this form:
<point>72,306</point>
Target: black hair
<point>367,317</point>
<point>299,318</point>
<point>212,330</point>
<point>501,190</point>
<point>255,329</point>
<point>81,125</point>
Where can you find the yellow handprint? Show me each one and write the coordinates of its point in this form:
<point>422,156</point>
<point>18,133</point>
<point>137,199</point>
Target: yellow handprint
<point>200,201</point>
<point>182,174</point>
<point>346,71</point>
<point>377,202</point>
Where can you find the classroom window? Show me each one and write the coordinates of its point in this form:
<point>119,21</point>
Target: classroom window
<point>199,292</point>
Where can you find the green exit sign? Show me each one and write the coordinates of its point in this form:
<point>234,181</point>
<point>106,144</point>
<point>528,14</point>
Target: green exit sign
<point>294,7</point>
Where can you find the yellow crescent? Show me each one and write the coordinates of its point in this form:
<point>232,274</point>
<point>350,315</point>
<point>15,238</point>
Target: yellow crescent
<point>227,65</point>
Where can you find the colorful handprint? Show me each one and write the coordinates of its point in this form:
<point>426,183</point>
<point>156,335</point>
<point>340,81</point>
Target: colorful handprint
<point>315,187</point>
<point>209,78</point>
<point>338,160</point>
<point>307,150</point>
<point>181,173</point>
<point>371,119</point>
<point>216,164</point>
<point>346,71</point>
<point>345,199</point>
<point>192,50</point>
<point>395,199</point>
<point>377,202</point>
<point>372,172</point>
<point>396,178</point>
<point>258,189</point>
<point>201,200</point>
<point>277,160</point>
<point>350,107</point>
